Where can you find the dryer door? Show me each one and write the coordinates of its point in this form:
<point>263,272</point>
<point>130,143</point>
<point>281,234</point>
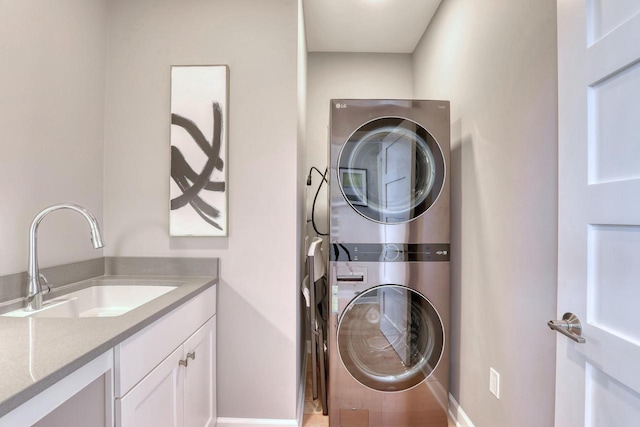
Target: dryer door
<point>391,170</point>
<point>390,338</point>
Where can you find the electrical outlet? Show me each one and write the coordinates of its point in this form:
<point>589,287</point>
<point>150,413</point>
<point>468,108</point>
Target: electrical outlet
<point>494,382</point>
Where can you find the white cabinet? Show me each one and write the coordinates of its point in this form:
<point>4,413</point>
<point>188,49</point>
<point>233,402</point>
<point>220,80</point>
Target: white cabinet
<point>180,389</point>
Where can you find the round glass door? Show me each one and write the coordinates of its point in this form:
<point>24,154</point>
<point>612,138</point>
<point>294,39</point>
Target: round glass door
<point>391,170</point>
<point>390,338</point>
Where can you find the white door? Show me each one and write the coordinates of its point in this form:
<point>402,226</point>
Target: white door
<point>199,377</point>
<point>157,400</point>
<point>598,382</point>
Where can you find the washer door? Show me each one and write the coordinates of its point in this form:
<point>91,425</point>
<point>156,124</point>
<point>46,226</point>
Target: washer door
<point>390,338</point>
<point>391,170</point>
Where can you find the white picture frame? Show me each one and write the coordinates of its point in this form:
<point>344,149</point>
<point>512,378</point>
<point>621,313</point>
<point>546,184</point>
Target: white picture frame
<point>199,172</point>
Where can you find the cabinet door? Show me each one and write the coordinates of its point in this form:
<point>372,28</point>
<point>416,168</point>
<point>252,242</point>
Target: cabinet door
<point>157,400</point>
<point>200,377</point>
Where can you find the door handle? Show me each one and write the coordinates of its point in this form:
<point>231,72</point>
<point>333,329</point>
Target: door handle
<point>569,326</point>
<point>350,278</point>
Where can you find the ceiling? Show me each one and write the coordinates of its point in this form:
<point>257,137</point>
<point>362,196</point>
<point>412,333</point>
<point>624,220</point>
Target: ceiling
<point>382,26</point>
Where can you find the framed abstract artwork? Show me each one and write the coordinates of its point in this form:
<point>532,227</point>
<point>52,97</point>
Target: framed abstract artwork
<point>198,184</point>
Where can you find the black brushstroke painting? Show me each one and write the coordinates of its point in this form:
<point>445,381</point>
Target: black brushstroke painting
<point>190,182</point>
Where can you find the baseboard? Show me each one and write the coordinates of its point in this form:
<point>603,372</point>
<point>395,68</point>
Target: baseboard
<point>457,414</point>
<point>255,422</point>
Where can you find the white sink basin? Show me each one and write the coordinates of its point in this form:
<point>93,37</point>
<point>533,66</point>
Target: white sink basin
<point>96,301</point>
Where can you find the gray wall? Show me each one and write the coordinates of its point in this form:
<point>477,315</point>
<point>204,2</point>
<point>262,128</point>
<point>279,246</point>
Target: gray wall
<point>52,119</point>
<point>346,75</point>
<point>258,294</point>
<point>496,61</point>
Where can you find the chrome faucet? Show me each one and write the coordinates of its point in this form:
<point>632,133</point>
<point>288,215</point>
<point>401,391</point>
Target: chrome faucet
<point>34,288</point>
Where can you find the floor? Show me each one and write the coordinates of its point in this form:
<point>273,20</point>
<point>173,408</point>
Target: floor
<point>312,416</point>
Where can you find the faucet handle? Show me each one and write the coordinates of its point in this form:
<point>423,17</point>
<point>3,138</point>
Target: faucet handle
<point>44,282</point>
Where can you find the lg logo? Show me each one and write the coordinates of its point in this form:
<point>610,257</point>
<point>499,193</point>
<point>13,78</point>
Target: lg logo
<point>341,105</point>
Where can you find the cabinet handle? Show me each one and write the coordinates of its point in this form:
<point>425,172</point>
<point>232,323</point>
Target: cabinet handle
<point>185,362</point>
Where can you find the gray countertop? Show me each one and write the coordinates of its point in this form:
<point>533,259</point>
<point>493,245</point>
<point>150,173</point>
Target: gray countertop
<point>35,353</point>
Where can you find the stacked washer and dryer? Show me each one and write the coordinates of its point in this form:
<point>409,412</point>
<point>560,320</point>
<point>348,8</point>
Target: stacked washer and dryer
<point>389,263</point>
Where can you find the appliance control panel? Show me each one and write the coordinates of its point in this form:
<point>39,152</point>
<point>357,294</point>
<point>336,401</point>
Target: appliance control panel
<point>390,252</point>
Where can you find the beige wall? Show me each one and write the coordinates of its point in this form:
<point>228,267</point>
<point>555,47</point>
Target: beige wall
<point>496,61</point>
<point>258,294</point>
<point>51,114</point>
<point>346,75</point>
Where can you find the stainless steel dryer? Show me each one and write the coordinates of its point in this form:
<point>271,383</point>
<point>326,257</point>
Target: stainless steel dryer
<point>388,161</point>
<point>388,349</point>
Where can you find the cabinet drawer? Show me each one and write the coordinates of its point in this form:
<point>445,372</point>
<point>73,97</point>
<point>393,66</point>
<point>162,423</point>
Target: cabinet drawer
<point>139,354</point>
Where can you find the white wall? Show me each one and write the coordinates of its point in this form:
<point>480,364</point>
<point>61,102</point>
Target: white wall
<point>496,61</point>
<point>51,114</point>
<point>258,293</point>
<point>301,186</point>
<point>346,75</point>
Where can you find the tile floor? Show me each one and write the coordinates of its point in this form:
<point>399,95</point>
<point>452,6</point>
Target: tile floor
<point>312,416</point>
